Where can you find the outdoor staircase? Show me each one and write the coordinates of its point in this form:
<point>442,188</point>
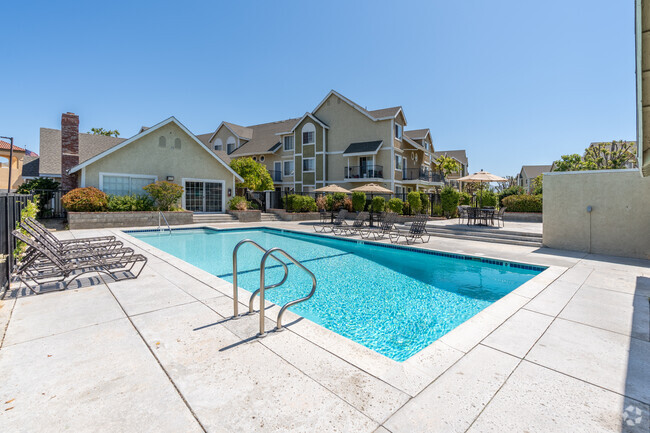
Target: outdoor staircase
<point>269,217</point>
<point>214,218</point>
<point>501,236</point>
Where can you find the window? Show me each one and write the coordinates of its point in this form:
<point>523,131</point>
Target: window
<point>218,144</point>
<point>255,158</point>
<point>398,162</point>
<point>309,134</point>
<point>262,158</point>
<point>177,143</point>
<point>230,144</point>
<point>125,184</point>
<point>288,142</point>
<point>162,141</point>
<point>398,131</point>
<point>308,164</point>
<point>288,168</point>
<point>307,189</point>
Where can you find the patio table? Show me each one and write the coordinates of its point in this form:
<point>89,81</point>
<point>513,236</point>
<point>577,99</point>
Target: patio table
<point>477,215</point>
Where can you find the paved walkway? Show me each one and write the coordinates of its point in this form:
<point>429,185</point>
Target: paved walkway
<point>567,351</point>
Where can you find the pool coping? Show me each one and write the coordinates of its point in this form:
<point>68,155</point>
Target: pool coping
<point>410,376</point>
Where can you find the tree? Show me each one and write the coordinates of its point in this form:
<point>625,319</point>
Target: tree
<point>569,163</point>
<point>106,132</point>
<point>256,176</point>
<point>448,165</point>
<point>538,184</point>
<point>609,156</point>
<point>38,183</point>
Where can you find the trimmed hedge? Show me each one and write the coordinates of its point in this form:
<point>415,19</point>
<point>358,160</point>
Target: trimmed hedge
<point>238,203</point>
<point>414,201</point>
<point>486,198</point>
<point>523,203</point>
<point>358,201</point>
<point>88,199</point>
<point>449,198</point>
<point>130,203</point>
<point>301,203</point>
<point>378,204</point>
<point>395,205</point>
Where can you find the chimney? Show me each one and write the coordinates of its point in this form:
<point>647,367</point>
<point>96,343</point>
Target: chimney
<point>69,149</point>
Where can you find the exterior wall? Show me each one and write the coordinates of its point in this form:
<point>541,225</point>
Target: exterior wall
<point>96,220</point>
<point>308,151</point>
<point>144,156</point>
<point>618,224</point>
<point>643,79</point>
<point>16,170</point>
<point>223,133</point>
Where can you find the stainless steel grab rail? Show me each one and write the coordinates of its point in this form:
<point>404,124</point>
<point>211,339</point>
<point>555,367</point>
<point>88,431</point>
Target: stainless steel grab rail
<point>160,214</point>
<point>288,304</point>
<point>234,276</point>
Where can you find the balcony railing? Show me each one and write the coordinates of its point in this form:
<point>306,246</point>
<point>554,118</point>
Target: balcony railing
<point>276,175</point>
<point>363,172</point>
<point>423,175</point>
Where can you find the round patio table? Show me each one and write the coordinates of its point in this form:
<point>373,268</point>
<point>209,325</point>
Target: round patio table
<point>476,216</point>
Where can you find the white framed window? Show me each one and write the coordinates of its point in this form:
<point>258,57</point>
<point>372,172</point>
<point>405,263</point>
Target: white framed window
<point>288,143</point>
<point>288,168</point>
<point>309,134</point>
<point>398,131</point>
<point>231,144</point>
<point>262,158</point>
<point>308,164</point>
<point>255,158</point>
<point>398,162</point>
<point>124,184</point>
<point>218,144</point>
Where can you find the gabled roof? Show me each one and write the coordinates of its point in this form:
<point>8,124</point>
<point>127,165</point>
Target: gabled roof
<point>458,155</point>
<point>205,139</point>
<point>532,171</point>
<point>413,143</point>
<point>366,147</point>
<point>240,131</point>
<point>312,117</point>
<point>136,137</point>
<point>418,134</point>
<point>264,138</point>
<point>89,146</point>
<point>30,166</point>
<point>375,115</point>
<point>6,146</point>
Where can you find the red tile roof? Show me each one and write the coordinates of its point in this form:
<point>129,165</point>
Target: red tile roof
<point>5,146</point>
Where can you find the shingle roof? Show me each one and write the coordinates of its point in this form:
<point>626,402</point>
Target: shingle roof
<point>363,147</point>
<point>30,166</point>
<point>533,171</point>
<point>203,138</point>
<point>6,146</point>
<point>242,131</point>
<point>263,137</point>
<point>384,112</point>
<point>460,155</point>
<point>89,146</point>
<point>417,133</point>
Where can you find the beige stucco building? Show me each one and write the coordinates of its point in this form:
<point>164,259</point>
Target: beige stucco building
<point>16,162</point>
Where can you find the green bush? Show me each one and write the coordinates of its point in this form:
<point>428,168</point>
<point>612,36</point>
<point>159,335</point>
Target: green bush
<point>513,190</point>
<point>378,204</point>
<point>358,201</point>
<point>395,205</point>
<point>523,203</point>
<point>486,198</point>
<point>449,198</point>
<point>129,203</point>
<point>301,203</point>
<point>414,202</point>
<point>166,194</point>
<point>338,200</point>
<point>426,203</point>
<point>39,183</point>
<point>88,199</point>
<point>30,210</point>
<point>238,203</point>
<point>465,199</point>
<point>437,210</point>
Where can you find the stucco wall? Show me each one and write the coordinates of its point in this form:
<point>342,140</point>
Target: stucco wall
<point>619,223</point>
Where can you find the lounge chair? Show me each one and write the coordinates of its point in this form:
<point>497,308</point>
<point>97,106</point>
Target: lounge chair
<point>358,224</point>
<point>381,231</point>
<point>87,248</point>
<point>99,241</point>
<point>499,216</point>
<point>417,230</point>
<point>338,222</point>
<point>42,264</point>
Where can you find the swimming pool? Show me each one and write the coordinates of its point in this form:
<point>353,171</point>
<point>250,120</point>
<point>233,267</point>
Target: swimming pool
<point>394,300</point>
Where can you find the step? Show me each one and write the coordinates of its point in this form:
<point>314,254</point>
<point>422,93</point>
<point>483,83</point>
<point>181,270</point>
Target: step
<point>213,218</point>
<point>535,237</point>
<point>503,240</point>
<point>270,217</point>
<point>484,231</point>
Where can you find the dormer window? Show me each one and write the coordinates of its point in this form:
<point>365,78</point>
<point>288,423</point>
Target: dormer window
<point>218,144</point>
<point>288,143</point>
<point>309,134</point>
<point>398,131</point>
<point>231,144</point>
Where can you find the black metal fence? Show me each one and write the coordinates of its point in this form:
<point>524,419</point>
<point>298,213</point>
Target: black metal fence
<point>10,207</point>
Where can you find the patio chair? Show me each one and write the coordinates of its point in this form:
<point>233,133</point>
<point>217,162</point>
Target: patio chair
<point>53,268</point>
<point>338,222</point>
<point>381,231</point>
<point>358,224</point>
<point>499,216</point>
<point>463,213</point>
<point>417,230</point>
<point>99,241</point>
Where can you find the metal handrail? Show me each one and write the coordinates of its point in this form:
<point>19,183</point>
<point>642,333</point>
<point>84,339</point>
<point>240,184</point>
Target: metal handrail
<point>160,214</point>
<point>234,276</point>
<point>288,304</point>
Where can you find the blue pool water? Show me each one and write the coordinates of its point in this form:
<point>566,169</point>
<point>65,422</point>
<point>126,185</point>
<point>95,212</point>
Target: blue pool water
<point>395,301</point>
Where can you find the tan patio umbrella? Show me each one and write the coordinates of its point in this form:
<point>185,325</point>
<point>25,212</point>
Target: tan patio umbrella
<point>332,188</point>
<point>482,177</point>
<point>373,188</point>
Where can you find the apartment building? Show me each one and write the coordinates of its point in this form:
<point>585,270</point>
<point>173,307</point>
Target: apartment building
<point>338,142</point>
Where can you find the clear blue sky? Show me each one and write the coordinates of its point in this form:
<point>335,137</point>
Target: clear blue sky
<point>513,82</point>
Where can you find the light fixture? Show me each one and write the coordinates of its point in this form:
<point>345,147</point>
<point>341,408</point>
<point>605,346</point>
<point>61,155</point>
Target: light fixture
<point>229,192</point>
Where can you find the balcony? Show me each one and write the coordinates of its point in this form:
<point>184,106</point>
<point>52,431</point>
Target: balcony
<point>423,175</point>
<point>363,172</point>
<point>276,175</point>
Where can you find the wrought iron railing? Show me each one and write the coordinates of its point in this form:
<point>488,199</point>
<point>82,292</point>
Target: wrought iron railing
<point>363,171</point>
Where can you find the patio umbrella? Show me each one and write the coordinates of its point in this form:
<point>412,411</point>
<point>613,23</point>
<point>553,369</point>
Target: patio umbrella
<point>332,188</point>
<point>372,188</point>
<point>482,177</point>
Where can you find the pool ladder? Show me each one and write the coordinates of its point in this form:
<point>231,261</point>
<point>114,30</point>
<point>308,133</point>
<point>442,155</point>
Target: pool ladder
<point>160,228</point>
<point>267,253</point>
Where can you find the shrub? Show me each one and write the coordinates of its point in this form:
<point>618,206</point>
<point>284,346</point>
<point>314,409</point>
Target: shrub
<point>166,194</point>
<point>486,198</point>
<point>129,203</point>
<point>414,201</point>
<point>30,210</point>
<point>465,199</point>
<point>358,201</point>
<point>395,205</point>
<point>321,203</point>
<point>88,199</point>
<point>426,203</point>
<point>347,204</point>
<point>39,183</point>
<point>301,203</point>
<point>238,203</point>
<point>339,200</point>
<point>449,198</point>
<point>437,210</point>
<point>513,190</point>
<point>523,203</point>
<point>378,204</point>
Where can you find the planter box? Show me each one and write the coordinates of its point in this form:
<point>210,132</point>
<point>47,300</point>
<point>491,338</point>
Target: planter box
<point>530,217</point>
<point>98,220</point>
<point>295,216</point>
<point>247,216</point>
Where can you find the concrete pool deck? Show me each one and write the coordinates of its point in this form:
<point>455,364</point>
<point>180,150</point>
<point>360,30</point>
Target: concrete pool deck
<point>567,351</point>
